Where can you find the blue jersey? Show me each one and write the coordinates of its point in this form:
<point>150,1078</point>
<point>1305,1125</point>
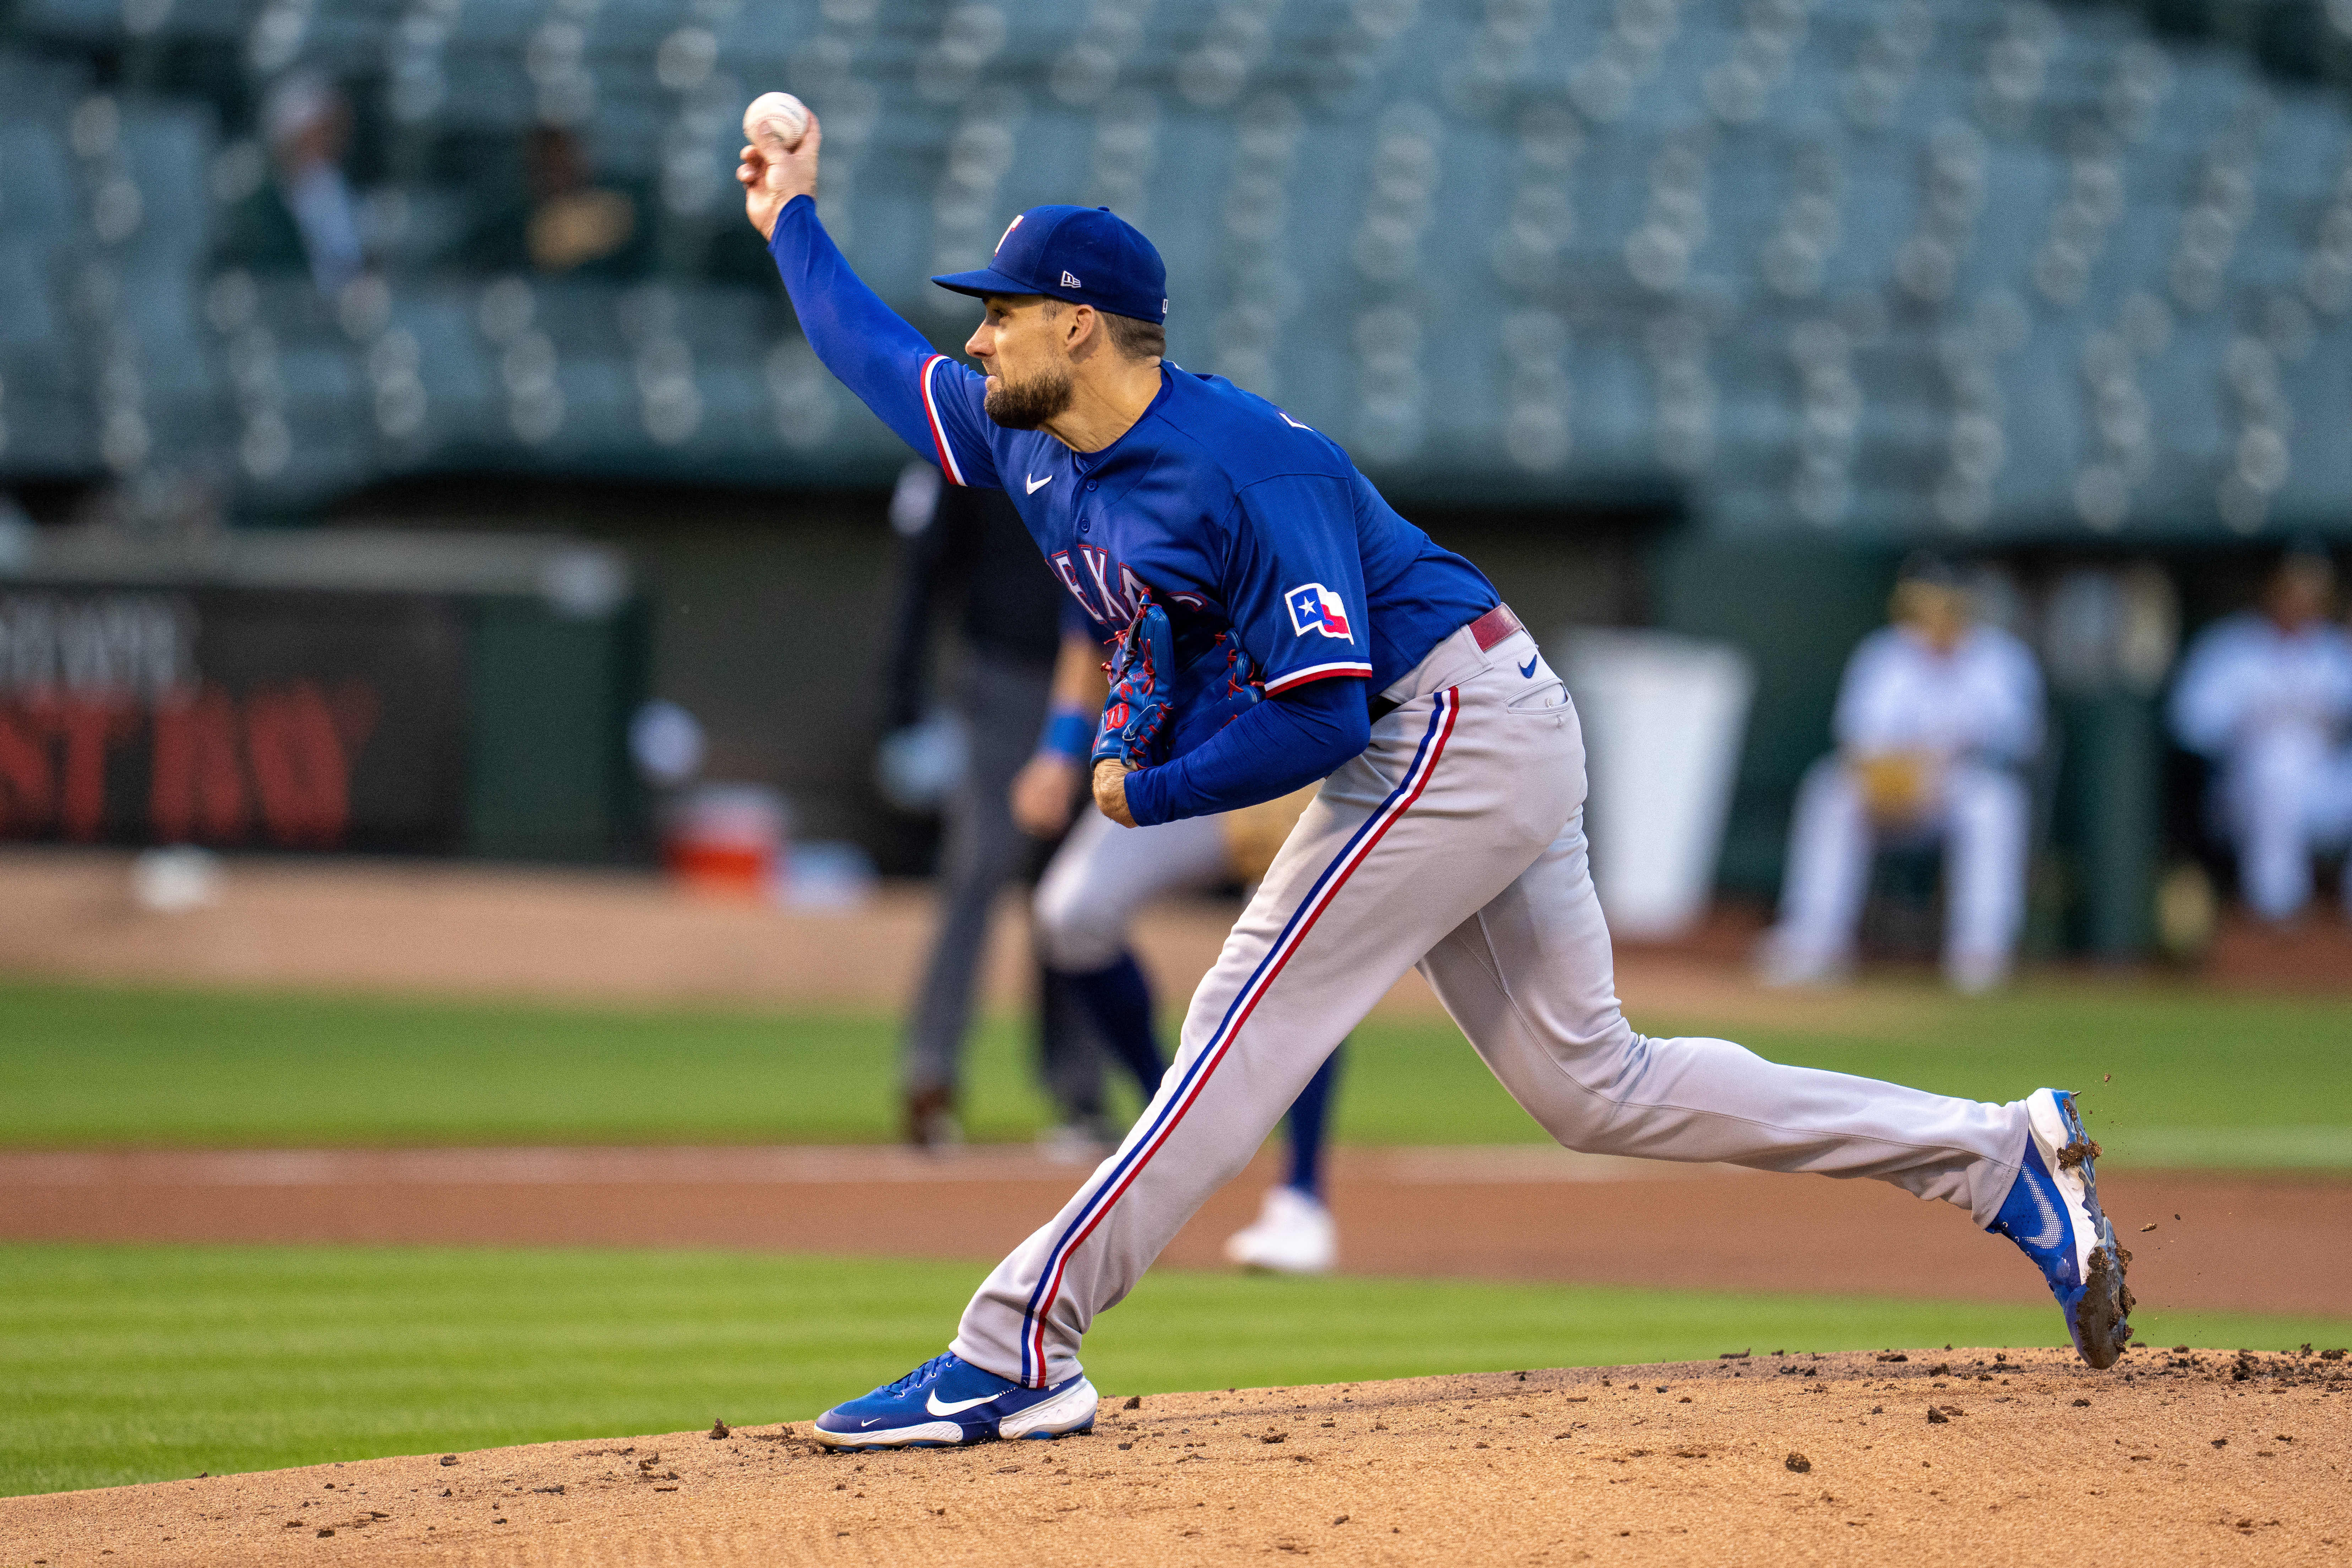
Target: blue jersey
<point>1234,515</point>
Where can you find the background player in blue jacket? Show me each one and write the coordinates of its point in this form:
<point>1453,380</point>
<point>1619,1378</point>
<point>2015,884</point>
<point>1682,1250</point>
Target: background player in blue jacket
<point>1447,833</point>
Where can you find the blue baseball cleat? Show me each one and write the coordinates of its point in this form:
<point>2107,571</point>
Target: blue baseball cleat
<point>948,1401</point>
<point>2052,1212</point>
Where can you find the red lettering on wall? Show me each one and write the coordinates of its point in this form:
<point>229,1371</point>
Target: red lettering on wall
<point>88,725</point>
<point>27,802</point>
<point>285,750</point>
<point>298,768</point>
<point>197,786</point>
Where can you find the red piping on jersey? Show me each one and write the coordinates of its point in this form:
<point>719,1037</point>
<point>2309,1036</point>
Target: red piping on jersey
<point>939,431</point>
<point>1314,673</point>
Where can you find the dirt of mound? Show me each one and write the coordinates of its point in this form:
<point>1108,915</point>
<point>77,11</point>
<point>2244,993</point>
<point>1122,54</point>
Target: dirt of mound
<point>1942,1457</point>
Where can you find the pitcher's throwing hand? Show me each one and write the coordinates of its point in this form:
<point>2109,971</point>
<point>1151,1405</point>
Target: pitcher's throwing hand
<point>772,171</point>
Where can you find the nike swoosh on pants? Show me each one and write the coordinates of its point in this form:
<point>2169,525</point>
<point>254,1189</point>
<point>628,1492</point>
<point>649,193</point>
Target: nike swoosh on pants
<point>1528,669</point>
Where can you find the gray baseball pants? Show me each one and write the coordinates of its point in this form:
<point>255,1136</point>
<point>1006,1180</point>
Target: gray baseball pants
<point>1455,842</point>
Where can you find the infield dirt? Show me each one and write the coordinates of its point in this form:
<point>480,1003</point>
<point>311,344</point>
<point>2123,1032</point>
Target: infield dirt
<point>2259,1244</point>
<point>1928,1458</point>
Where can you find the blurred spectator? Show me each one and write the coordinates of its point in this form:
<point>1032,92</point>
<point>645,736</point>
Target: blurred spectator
<point>2267,695</point>
<point>1937,716</point>
<point>971,546</point>
<point>565,220</point>
<point>304,218</point>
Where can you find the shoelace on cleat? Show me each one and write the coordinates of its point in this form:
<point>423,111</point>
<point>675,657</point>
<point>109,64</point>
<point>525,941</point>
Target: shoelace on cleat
<point>920,1376</point>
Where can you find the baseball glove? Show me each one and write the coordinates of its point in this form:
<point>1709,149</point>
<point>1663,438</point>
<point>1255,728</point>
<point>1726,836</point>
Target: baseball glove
<point>1135,720</point>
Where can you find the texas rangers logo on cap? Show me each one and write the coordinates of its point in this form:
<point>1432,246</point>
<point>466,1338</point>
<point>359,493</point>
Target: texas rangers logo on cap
<point>1315,608</point>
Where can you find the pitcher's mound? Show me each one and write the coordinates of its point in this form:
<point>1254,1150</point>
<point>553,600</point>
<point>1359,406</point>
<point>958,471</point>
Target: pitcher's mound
<point>1918,1456</point>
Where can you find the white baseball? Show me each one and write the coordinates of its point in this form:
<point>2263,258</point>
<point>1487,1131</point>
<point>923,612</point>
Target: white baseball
<point>776,116</point>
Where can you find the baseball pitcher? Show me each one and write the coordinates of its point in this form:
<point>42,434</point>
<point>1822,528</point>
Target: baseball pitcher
<point>1229,541</point>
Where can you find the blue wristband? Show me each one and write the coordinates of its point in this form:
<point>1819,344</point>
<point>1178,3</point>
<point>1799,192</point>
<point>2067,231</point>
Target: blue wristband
<point>1069,732</point>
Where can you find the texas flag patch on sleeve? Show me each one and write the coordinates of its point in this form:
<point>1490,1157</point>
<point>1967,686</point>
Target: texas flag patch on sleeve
<point>1315,608</point>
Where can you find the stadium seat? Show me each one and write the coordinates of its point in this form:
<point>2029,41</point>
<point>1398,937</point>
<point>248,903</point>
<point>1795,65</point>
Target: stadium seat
<point>1546,247</point>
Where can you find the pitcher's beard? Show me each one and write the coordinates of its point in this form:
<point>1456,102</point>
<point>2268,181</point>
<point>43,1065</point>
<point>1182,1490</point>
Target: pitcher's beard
<point>1031,404</point>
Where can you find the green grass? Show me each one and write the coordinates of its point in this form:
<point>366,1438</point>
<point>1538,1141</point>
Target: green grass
<point>130,1363</point>
<point>2170,1075</point>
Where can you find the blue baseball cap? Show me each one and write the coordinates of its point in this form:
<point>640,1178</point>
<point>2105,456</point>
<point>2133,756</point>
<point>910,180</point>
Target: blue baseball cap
<point>1089,256</point>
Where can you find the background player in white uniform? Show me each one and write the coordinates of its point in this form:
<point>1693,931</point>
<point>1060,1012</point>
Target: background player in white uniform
<point>1447,833</point>
<point>1936,719</point>
<point>2267,695</point>
<point>1103,875</point>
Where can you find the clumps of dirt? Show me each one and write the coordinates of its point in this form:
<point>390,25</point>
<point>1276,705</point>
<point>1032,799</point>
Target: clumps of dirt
<point>2075,1153</point>
<point>718,1429</point>
<point>1795,1461</point>
<point>449,1458</point>
<point>1937,1417</point>
<point>2302,1368</point>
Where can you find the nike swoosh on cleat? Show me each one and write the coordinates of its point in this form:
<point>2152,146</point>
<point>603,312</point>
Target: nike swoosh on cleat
<point>2054,1228</point>
<point>1528,669</point>
<point>1035,484</point>
<point>932,1403</point>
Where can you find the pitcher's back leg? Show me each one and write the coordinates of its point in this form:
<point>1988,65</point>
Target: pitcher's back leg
<point>1530,979</point>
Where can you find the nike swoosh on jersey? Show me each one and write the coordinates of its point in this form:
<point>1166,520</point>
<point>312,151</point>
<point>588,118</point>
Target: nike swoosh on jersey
<point>1528,669</point>
<point>1035,484</point>
<point>932,1403</point>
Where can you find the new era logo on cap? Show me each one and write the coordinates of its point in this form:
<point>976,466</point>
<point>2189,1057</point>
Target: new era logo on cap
<point>1070,282</point>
